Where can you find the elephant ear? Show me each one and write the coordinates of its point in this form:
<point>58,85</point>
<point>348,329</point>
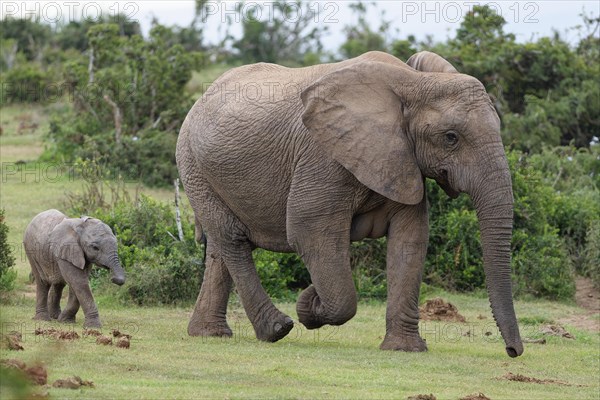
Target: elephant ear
<point>64,244</point>
<point>426,61</point>
<point>356,117</point>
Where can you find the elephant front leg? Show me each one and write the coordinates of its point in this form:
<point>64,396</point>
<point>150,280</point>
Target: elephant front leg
<point>54,300</point>
<point>407,248</point>
<point>209,316</point>
<point>68,314</point>
<point>332,298</point>
<point>78,281</point>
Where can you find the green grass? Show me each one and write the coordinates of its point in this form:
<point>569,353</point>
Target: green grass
<point>342,362</point>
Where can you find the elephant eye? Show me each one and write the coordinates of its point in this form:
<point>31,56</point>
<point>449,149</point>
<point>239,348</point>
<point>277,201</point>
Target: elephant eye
<point>95,248</point>
<point>451,138</point>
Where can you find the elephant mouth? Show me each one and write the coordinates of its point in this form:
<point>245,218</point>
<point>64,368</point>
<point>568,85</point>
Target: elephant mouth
<point>442,180</point>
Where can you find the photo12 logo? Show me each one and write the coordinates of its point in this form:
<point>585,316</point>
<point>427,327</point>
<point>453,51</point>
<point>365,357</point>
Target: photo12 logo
<point>456,11</point>
<point>287,11</point>
<point>55,12</point>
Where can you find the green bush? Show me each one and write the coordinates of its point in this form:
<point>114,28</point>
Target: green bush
<point>7,260</point>
<point>591,261</point>
<point>367,258</point>
<point>281,274</point>
<point>160,268</point>
<point>25,83</point>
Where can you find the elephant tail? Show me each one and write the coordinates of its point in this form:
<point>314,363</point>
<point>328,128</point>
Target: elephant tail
<point>200,237</point>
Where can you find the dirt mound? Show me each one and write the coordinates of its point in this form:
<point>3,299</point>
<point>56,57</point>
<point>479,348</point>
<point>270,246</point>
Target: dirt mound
<point>91,332</point>
<point>123,342</point>
<point>36,374</point>
<point>105,340</point>
<point>14,363</point>
<point>556,330</point>
<point>12,341</point>
<point>73,382</point>
<point>422,397</point>
<point>116,333</point>
<point>439,310</point>
<point>475,396</point>
<point>57,333</point>
<point>522,378</point>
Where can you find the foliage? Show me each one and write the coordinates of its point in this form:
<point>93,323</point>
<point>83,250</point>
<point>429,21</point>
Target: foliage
<point>279,33</point>
<point>160,268</point>
<point>591,254</point>
<point>281,274</point>
<point>129,102</point>
<point>7,260</point>
<point>27,83</point>
<point>360,38</point>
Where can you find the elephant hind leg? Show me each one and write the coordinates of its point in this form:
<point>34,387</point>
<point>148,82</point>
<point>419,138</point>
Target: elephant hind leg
<point>270,324</point>
<point>209,315</point>
<point>54,299</point>
<point>41,292</point>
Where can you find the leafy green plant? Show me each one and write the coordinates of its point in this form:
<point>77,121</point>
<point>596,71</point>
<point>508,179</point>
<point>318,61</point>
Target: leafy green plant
<point>7,260</point>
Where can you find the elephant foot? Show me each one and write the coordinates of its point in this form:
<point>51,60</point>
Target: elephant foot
<point>55,314</point>
<point>92,323</point>
<point>43,316</point>
<point>308,301</point>
<point>220,329</point>
<point>275,328</point>
<point>66,319</point>
<point>403,343</point>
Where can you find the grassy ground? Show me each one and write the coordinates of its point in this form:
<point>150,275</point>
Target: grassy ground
<point>343,362</point>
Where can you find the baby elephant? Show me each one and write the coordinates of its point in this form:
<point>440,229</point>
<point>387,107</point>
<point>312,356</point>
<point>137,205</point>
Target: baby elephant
<point>61,251</point>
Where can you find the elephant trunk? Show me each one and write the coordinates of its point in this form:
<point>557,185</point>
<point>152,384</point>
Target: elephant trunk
<point>117,272</point>
<point>493,202</point>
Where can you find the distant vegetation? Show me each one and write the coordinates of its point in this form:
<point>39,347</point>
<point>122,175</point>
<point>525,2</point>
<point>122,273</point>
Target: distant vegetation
<point>123,98</point>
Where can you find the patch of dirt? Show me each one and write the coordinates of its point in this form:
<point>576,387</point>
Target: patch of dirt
<point>73,382</point>
<point>91,332</point>
<point>526,379</point>
<point>422,397</point>
<point>556,330</point>
<point>14,363</point>
<point>57,333</point>
<point>105,340</point>
<point>588,298</point>
<point>123,342</point>
<point>439,310</point>
<point>476,396</point>
<point>586,295</point>
<point>36,374</point>
<point>116,333</point>
<point>534,341</point>
<point>12,341</point>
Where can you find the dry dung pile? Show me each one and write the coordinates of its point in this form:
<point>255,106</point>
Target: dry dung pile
<point>439,310</point>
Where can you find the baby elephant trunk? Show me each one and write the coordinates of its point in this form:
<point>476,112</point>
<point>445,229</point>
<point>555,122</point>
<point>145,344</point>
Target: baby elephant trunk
<point>118,274</point>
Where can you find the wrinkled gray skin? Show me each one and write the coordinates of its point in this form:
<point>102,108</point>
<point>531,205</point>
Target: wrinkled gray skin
<point>61,252</point>
<point>306,160</point>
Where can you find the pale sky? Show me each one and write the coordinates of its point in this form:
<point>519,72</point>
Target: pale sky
<point>526,19</point>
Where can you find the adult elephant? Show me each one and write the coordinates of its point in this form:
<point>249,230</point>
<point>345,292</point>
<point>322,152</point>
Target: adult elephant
<point>306,160</point>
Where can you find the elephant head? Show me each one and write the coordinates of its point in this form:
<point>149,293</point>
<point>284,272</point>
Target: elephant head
<point>82,241</point>
<point>391,126</point>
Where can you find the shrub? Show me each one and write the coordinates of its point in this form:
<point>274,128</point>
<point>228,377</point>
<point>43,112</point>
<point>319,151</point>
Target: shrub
<point>281,274</point>
<point>7,260</point>
<point>24,83</point>
<point>160,268</point>
<point>591,261</point>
